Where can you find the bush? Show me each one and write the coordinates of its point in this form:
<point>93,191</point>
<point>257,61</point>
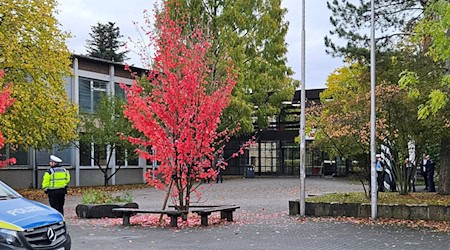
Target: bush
<point>93,196</point>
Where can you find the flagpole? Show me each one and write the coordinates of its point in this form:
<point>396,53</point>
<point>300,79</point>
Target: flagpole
<point>302,117</point>
<point>373,148</point>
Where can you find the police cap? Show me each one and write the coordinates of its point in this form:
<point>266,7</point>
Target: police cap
<point>55,159</point>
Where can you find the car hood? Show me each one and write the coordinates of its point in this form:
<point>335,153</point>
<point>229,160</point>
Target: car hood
<point>28,214</point>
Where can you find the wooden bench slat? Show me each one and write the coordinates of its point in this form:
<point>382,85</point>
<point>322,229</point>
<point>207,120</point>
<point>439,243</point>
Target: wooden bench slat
<point>216,209</point>
<point>226,212</point>
<point>128,212</point>
<point>198,206</point>
<point>146,211</point>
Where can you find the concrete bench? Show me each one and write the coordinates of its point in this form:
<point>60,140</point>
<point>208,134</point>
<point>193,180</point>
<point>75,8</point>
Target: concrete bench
<point>226,212</point>
<point>128,212</point>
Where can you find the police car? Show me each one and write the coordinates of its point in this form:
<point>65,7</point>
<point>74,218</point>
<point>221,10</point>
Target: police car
<point>26,224</point>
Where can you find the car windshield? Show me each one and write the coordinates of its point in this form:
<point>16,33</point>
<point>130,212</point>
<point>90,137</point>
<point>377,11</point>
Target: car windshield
<point>7,193</point>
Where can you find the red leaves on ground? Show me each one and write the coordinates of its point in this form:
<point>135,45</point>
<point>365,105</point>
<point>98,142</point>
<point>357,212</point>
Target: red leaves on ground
<point>152,220</point>
<point>441,226</point>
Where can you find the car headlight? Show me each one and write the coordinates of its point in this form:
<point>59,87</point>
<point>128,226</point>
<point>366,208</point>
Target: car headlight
<point>9,237</point>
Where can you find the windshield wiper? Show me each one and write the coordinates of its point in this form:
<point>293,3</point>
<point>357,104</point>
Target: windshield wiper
<point>5,197</point>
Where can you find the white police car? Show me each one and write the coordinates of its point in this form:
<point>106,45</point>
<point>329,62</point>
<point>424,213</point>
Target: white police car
<point>26,224</point>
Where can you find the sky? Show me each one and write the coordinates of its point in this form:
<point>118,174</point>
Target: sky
<point>77,17</point>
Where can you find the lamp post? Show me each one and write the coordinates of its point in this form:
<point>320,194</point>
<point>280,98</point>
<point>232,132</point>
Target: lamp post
<point>302,117</point>
<point>373,148</point>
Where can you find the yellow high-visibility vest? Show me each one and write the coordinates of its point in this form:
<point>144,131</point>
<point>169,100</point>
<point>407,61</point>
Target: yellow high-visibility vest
<point>55,178</point>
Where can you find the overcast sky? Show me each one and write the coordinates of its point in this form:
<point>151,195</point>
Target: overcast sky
<point>77,17</point>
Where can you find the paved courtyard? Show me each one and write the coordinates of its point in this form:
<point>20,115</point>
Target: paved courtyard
<point>261,223</point>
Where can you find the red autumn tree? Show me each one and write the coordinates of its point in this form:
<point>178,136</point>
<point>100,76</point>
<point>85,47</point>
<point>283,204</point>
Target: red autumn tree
<point>5,102</point>
<point>178,111</point>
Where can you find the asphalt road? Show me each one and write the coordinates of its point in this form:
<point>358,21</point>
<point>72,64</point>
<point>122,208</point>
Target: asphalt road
<point>261,223</point>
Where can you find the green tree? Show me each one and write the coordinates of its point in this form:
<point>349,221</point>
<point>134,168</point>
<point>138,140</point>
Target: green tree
<point>432,35</point>
<point>252,34</point>
<point>343,121</point>
<point>103,129</point>
<point>105,44</point>
<point>35,58</point>
<point>396,56</point>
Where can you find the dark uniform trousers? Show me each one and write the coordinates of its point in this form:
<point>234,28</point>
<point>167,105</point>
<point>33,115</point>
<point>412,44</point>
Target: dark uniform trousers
<point>56,198</point>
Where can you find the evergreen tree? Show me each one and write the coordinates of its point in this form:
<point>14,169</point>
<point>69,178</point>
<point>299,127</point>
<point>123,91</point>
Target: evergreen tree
<point>105,44</point>
<point>394,21</point>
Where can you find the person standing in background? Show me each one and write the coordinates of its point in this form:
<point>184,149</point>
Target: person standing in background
<point>380,174</point>
<point>424,171</point>
<point>430,165</point>
<point>219,166</point>
<point>55,183</point>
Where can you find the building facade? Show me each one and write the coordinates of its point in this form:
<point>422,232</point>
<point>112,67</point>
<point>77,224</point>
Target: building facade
<point>275,152</point>
<point>91,78</point>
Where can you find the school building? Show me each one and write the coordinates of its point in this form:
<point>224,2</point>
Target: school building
<point>274,154</point>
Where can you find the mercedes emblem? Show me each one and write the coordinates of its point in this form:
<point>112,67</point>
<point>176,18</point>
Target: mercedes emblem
<point>51,235</point>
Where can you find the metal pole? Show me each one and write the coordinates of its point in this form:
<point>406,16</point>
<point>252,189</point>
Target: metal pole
<point>302,117</point>
<point>373,148</point>
<point>35,169</point>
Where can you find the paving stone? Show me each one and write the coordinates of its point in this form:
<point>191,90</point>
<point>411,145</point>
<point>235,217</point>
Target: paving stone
<point>261,223</point>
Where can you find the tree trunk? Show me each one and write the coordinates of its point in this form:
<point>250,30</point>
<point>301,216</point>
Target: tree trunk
<point>444,174</point>
<point>166,199</point>
<point>105,178</point>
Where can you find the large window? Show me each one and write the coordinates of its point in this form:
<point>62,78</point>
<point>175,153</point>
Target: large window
<point>85,154</point>
<point>20,155</point>
<point>90,93</point>
<point>126,157</point>
<point>89,152</point>
<point>123,157</point>
<point>43,156</point>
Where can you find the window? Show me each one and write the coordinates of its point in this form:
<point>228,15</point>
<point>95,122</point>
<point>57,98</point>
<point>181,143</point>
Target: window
<point>85,154</point>
<point>19,154</point>
<point>43,156</point>
<point>118,91</point>
<point>123,157</point>
<point>3,154</point>
<point>126,157</point>
<point>120,156</point>
<point>89,152</point>
<point>90,93</point>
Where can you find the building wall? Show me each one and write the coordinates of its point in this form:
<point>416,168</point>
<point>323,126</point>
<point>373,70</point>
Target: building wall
<point>96,69</point>
<point>17,177</point>
<point>130,175</point>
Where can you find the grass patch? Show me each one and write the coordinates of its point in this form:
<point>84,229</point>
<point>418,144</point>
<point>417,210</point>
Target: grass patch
<point>93,196</point>
<point>385,198</point>
<point>38,194</point>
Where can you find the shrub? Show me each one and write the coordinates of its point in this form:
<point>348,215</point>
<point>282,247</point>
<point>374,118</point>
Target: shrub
<point>93,196</point>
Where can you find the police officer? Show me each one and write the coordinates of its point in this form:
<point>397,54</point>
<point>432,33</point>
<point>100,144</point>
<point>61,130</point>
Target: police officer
<point>55,183</point>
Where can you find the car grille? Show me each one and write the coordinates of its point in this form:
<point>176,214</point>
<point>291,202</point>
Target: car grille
<point>37,237</point>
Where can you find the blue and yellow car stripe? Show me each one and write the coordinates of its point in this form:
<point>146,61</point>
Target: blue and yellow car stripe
<point>6,225</point>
